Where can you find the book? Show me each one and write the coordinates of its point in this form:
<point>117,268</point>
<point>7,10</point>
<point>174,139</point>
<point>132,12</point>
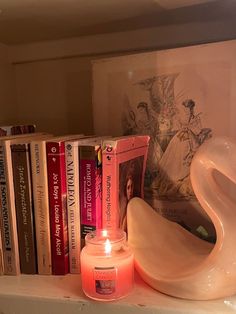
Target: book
<point>73,200</point>
<point>1,257</point>
<point>21,166</point>
<point>4,227</point>
<point>41,206</point>
<point>90,172</point>
<point>24,210</point>
<point>17,129</point>
<point>124,161</point>
<point>56,171</point>
<point>7,208</point>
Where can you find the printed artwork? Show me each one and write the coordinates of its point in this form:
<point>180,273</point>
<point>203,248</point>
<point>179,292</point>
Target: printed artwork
<point>181,98</point>
<point>174,123</point>
<point>176,132</point>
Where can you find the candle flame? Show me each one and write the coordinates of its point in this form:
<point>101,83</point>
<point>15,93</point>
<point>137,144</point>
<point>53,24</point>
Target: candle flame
<point>104,233</point>
<point>107,246</point>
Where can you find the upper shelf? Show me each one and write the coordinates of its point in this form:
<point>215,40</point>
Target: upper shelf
<point>36,294</point>
<point>27,21</point>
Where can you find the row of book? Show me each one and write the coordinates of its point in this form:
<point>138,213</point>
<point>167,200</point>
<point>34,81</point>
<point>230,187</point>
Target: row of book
<point>54,190</point>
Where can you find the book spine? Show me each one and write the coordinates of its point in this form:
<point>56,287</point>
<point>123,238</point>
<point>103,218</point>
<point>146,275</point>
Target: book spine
<point>110,203</point>
<point>1,257</point>
<point>87,166</point>
<point>24,207</point>
<point>41,206</point>
<point>73,206</point>
<point>57,204</point>
<point>8,214</point>
<point>98,187</point>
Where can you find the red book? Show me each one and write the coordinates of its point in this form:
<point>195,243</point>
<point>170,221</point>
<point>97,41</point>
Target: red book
<point>57,206</point>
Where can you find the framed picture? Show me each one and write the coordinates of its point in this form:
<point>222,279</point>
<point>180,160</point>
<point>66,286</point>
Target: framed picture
<point>180,97</point>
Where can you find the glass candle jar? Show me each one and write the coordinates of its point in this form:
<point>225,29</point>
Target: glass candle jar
<point>107,265</point>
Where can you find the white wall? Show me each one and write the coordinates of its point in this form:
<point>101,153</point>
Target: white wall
<point>56,95</point>
<point>161,37</point>
<point>53,78</point>
<point>8,106</point>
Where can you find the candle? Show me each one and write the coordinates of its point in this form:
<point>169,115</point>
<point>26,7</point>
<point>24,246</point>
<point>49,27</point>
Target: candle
<point>107,265</point>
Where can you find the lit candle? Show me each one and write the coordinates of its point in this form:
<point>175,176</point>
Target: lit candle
<point>107,265</point>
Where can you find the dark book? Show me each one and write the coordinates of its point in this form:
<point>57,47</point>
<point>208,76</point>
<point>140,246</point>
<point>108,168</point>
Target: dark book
<point>17,129</point>
<point>90,173</point>
<point>24,207</point>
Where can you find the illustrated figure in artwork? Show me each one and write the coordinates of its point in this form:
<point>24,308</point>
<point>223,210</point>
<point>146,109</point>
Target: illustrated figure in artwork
<point>130,179</point>
<point>173,179</point>
<point>128,194</point>
<point>176,132</point>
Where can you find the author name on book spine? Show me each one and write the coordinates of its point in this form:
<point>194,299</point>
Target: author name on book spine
<point>4,204</point>
<point>108,199</point>
<point>57,217</point>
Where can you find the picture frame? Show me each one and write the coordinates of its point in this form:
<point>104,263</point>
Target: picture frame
<point>179,97</point>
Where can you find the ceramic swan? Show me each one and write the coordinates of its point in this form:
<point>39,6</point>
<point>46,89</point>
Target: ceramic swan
<point>172,260</point>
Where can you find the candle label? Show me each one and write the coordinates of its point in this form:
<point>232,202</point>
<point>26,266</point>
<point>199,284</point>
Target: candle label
<point>105,279</point>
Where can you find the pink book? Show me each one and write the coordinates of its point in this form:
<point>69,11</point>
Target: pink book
<point>124,161</point>
<point>57,205</point>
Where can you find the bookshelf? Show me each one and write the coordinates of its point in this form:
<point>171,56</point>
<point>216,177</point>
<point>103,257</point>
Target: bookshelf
<point>62,294</point>
<point>49,84</point>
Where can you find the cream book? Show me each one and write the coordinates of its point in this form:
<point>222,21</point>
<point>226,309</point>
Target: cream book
<point>8,210</point>
<point>41,205</point>
<point>73,200</point>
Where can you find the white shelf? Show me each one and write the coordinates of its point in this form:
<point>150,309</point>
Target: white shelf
<point>36,294</point>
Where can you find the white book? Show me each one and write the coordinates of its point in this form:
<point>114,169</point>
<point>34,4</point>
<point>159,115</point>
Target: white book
<point>73,201</point>
<point>7,200</point>
<point>41,206</point>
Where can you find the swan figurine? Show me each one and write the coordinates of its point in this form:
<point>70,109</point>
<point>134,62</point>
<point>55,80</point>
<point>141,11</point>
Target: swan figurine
<point>171,259</point>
